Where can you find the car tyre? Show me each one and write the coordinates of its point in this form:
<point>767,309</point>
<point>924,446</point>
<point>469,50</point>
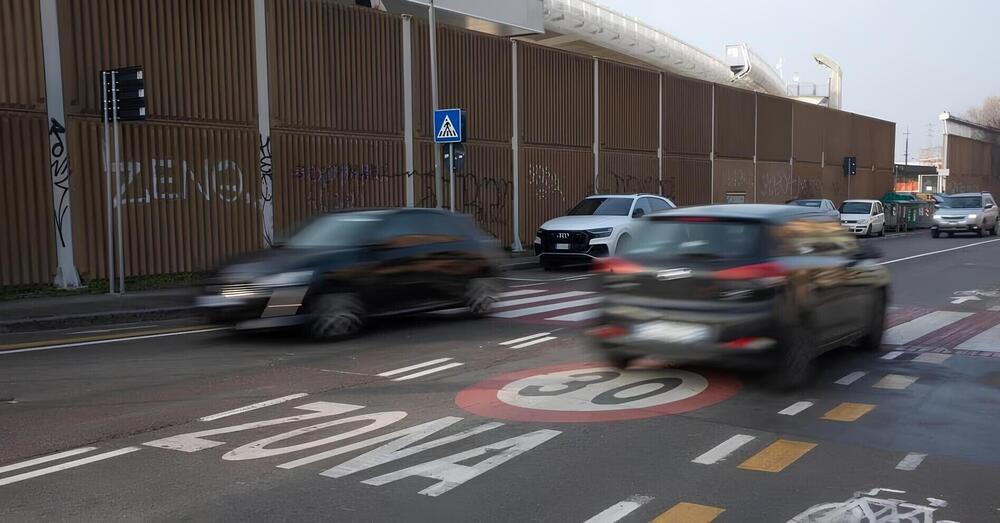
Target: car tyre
<point>996,228</point>
<point>935,234</point>
<point>881,232</point>
<point>980,232</point>
<point>795,362</point>
<point>480,296</point>
<point>872,341</point>
<point>623,242</point>
<point>337,316</point>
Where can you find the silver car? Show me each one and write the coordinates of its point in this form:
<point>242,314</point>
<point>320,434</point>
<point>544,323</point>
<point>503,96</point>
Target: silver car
<point>824,206</point>
<point>974,212</point>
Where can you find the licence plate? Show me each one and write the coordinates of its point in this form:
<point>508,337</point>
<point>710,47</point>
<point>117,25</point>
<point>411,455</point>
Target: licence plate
<point>562,246</point>
<point>670,331</point>
<point>216,301</point>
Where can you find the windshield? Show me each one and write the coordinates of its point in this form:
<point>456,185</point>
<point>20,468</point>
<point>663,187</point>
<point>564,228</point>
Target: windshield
<point>806,203</point>
<point>856,208</point>
<point>602,207</point>
<point>697,239</point>
<point>336,230</point>
<point>962,202</point>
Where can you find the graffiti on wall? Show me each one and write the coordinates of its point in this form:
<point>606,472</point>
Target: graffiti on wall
<point>167,179</point>
<point>484,197</point>
<point>59,171</point>
<point>344,185</point>
<point>545,186</point>
<point>266,188</point>
<point>629,183</point>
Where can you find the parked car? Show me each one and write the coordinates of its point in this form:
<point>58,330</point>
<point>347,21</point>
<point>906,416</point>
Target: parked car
<point>598,226</point>
<point>824,206</point>
<point>863,217</point>
<point>966,212</point>
<point>342,268</point>
<point>772,284</point>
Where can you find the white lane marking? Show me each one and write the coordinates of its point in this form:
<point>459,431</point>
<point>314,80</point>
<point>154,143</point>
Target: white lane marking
<point>995,308</point>
<point>931,357</point>
<point>988,340</point>
<point>522,292</point>
<point>114,340</point>
<point>917,328</point>
<point>67,465</point>
<point>517,313</point>
<point>619,510</point>
<point>851,378</point>
<point>533,342</point>
<point>428,371</point>
<point>577,316</point>
<point>723,449</point>
<point>388,373</point>
<point>525,338</point>
<point>892,355</point>
<point>455,310</point>
<point>895,382</point>
<point>98,331</point>
<point>938,252</point>
<point>536,299</point>
<point>795,408</point>
<point>911,461</point>
<point>46,459</point>
<point>962,299</point>
<point>254,406</point>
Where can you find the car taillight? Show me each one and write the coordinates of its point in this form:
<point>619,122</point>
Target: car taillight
<point>757,271</point>
<point>616,266</point>
<point>607,331</point>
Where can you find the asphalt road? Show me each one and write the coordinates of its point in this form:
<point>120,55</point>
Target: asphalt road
<point>512,418</point>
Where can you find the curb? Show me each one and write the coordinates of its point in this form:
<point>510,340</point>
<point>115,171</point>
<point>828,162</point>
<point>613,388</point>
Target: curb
<point>103,318</point>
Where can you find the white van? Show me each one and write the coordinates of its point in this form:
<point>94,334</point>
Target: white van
<point>863,217</point>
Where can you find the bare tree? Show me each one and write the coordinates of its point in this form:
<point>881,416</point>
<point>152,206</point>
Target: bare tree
<point>987,114</point>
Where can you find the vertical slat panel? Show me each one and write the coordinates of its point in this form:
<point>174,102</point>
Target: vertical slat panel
<point>861,142</point>
<point>558,102</point>
<point>837,142</point>
<point>687,116</point>
<point>834,184</point>
<point>627,172</point>
<point>734,176</point>
<point>807,181</point>
<point>552,181</point>
<point>774,182</point>
<point>734,122</point>
<point>808,132</point>
<point>22,81</point>
<point>628,105</point>
<point>687,181</point>
<point>774,128</point>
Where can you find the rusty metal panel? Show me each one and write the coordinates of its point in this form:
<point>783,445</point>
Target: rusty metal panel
<point>837,141</point>
<point>474,73</point>
<point>27,249</point>
<point>198,56</point>
<point>774,182</point>
<point>807,180</point>
<point>861,142</point>
<point>557,102</point>
<point>552,181</point>
<point>628,121</point>
<point>834,184</point>
<point>774,128</point>
<point>190,196</point>
<point>687,116</point>
<point>22,83</point>
<point>881,183</point>
<point>626,172</point>
<point>334,67</point>
<point>319,172</point>
<point>687,181</point>
<point>808,132</point>
<point>968,157</point>
<point>734,177</point>
<point>883,144</point>
<point>734,122</point>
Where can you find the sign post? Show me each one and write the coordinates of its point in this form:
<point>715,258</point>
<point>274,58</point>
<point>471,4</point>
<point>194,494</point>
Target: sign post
<point>449,128</point>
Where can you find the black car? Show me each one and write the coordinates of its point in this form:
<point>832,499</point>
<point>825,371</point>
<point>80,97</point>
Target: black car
<point>342,268</point>
<point>772,283</point>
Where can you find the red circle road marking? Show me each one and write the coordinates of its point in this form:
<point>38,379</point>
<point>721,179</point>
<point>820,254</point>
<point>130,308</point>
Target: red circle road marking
<point>482,399</point>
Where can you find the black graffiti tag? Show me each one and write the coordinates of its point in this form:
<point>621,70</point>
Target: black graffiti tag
<point>59,171</point>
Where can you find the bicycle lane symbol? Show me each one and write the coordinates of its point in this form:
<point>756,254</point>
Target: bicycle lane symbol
<point>864,507</point>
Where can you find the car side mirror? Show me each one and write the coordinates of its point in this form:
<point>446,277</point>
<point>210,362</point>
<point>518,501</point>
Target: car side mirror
<point>988,206</point>
<point>638,213</point>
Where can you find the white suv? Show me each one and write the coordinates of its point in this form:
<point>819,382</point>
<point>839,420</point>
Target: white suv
<point>598,226</point>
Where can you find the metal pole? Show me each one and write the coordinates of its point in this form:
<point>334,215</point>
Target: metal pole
<point>438,190</point>
<point>711,156</point>
<point>451,177</point>
<point>515,148</point>
<point>597,126</point>
<point>109,238</point>
<point>659,135</point>
<point>408,107</point>
<point>118,183</point>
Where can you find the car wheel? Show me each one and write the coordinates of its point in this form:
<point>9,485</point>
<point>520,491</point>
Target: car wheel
<point>623,242</point>
<point>872,341</point>
<point>981,232</point>
<point>881,232</point>
<point>935,234</point>
<point>795,361</point>
<point>996,228</point>
<point>950,234</point>
<point>480,296</point>
<point>337,316</point>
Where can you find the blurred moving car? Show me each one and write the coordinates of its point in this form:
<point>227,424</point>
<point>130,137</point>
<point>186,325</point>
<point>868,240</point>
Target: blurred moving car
<point>598,226</point>
<point>773,284</point>
<point>967,212</point>
<point>824,206</point>
<point>344,267</point>
<point>863,217</point>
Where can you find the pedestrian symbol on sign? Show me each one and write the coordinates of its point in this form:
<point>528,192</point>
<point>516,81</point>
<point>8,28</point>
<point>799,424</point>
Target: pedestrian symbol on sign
<point>447,129</point>
<point>448,126</point>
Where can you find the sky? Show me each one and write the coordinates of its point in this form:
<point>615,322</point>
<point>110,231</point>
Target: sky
<point>904,60</point>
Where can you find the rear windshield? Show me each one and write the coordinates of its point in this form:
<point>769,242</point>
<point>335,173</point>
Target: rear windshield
<point>708,240</point>
<point>962,202</point>
<point>856,208</point>
<point>602,207</point>
<point>805,203</point>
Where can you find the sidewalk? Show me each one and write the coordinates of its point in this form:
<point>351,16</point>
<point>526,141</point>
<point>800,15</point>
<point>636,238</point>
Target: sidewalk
<point>74,310</point>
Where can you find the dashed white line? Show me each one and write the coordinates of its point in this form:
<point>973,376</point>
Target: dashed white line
<point>851,378</point>
<point>988,341</point>
<point>388,373</point>
<point>67,465</point>
<point>533,342</point>
<point>938,252</point>
<point>577,316</point>
<point>795,408</point>
<point>46,459</point>
<point>113,340</point>
<point>517,313</point>
<point>932,357</point>
<point>895,382</point>
<point>536,299</point>
<point>911,461</point>
<point>428,371</point>
<point>525,338</point>
<point>619,510</point>
<point>522,292</point>
<point>892,355</point>
<point>906,332</point>
<point>254,406</point>
<point>720,451</point>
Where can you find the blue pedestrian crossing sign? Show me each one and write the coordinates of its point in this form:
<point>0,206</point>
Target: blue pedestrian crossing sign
<point>448,126</point>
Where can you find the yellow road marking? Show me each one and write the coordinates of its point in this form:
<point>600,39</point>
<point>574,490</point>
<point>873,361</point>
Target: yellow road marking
<point>777,456</point>
<point>848,411</point>
<point>689,513</point>
<point>129,334</point>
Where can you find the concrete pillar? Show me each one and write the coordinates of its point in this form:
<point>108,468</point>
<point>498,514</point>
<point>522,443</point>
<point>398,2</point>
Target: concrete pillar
<point>515,146</point>
<point>266,170</point>
<point>597,124</point>
<point>408,106</point>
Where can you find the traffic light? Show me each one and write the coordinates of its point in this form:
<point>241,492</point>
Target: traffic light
<point>126,91</point>
<point>850,165</point>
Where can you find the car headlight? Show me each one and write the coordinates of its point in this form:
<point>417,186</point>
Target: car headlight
<point>972,217</point>
<point>538,235</point>
<point>863,221</point>
<point>601,233</point>
<point>937,217</point>
<point>286,279</point>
